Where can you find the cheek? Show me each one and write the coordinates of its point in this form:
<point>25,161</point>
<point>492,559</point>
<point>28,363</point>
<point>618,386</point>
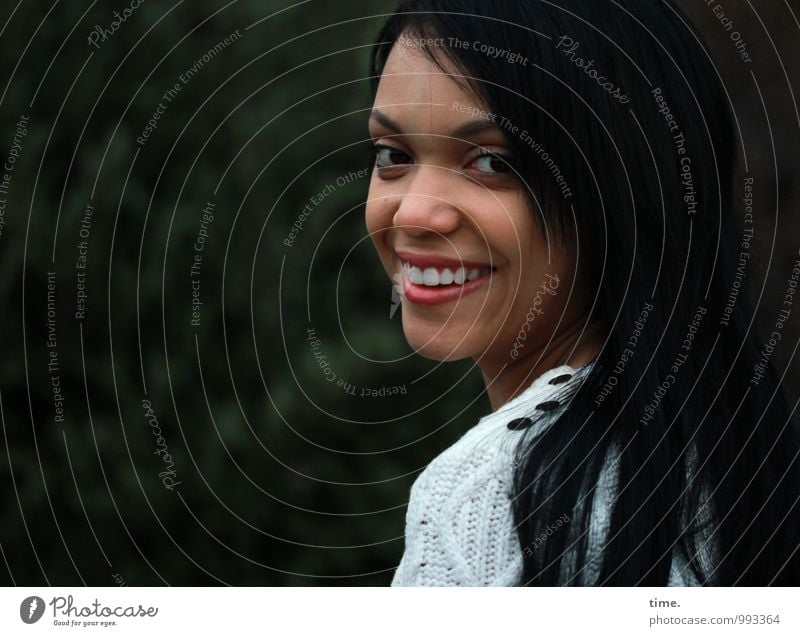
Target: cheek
<point>371,219</point>
<point>377,213</point>
<point>510,230</point>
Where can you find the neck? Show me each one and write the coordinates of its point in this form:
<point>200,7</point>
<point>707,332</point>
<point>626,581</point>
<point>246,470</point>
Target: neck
<point>505,380</point>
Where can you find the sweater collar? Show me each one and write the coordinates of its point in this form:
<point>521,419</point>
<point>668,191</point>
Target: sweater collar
<point>537,389</point>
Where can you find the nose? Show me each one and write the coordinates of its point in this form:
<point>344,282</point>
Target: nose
<point>429,205</point>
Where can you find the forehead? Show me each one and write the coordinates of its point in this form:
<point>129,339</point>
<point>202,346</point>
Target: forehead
<point>413,86</point>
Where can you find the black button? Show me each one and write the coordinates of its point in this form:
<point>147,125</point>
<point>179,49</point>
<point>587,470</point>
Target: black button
<point>560,379</point>
<point>519,423</point>
<point>547,406</point>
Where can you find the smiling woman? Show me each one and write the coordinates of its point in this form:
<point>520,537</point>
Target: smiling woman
<point>447,213</point>
<point>629,443</point>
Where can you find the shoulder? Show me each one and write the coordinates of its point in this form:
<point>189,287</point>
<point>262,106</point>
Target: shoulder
<point>459,524</point>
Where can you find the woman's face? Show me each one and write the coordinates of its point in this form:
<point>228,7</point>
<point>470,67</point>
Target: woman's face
<point>441,198</point>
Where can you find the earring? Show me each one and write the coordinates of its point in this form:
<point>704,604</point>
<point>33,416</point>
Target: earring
<point>397,294</point>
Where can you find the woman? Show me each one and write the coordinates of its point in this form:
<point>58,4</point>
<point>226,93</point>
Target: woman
<point>553,197</point>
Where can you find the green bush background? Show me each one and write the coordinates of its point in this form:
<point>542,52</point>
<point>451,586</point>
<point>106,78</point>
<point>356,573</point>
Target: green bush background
<point>286,479</point>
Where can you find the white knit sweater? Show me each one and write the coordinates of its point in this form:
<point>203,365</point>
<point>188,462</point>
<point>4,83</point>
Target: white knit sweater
<point>459,527</point>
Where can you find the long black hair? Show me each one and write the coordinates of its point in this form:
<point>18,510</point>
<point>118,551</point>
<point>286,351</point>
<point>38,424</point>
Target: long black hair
<point>620,100</point>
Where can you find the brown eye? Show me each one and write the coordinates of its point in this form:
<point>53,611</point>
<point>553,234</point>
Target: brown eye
<point>386,157</point>
<point>492,163</point>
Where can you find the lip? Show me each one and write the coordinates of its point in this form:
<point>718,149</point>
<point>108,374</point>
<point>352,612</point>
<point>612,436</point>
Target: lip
<point>432,260</point>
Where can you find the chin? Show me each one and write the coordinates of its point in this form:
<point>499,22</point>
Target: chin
<point>441,345</point>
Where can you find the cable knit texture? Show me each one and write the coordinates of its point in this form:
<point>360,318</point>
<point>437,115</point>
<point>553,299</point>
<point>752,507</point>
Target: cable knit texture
<point>459,527</point>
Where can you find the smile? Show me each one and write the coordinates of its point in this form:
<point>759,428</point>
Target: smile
<point>433,277</point>
<point>429,280</point>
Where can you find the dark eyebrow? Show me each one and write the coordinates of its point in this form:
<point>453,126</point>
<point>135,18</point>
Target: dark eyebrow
<point>467,129</point>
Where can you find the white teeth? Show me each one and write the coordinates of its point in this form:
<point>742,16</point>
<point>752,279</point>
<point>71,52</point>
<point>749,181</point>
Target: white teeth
<point>432,277</point>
